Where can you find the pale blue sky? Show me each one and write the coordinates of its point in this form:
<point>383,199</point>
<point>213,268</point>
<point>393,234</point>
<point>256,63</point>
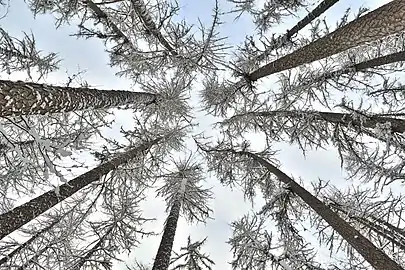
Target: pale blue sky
<point>89,55</point>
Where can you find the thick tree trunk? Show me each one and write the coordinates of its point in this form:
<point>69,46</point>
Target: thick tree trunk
<point>374,256</point>
<point>19,98</point>
<point>90,252</point>
<point>282,40</point>
<point>382,22</point>
<point>149,24</point>
<point>162,259</point>
<point>19,216</point>
<point>346,119</point>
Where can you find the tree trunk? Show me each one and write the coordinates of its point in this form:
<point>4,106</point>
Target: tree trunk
<point>19,216</point>
<point>282,40</point>
<point>345,119</point>
<point>162,259</point>
<point>19,98</point>
<point>90,253</point>
<point>382,22</point>
<point>378,229</point>
<point>376,62</point>
<point>33,238</point>
<point>150,26</point>
<point>374,256</point>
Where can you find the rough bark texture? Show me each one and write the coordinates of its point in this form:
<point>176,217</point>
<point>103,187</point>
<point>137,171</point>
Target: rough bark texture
<point>374,256</point>
<point>19,216</point>
<point>162,259</point>
<point>282,40</point>
<point>144,16</point>
<point>346,119</point>
<point>382,22</point>
<point>19,98</point>
<point>90,253</point>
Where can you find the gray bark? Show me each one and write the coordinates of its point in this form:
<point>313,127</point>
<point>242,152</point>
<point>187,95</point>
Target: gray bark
<point>382,22</point>
<point>19,98</point>
<point>282,40</point>
<point>345,119</point>
<point>162,259</point>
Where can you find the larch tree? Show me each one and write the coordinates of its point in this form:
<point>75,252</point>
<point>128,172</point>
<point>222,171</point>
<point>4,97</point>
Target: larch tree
<point>88,221</point>
<point>224,159</point>
<point>184,194</point>
<point>192,257</point>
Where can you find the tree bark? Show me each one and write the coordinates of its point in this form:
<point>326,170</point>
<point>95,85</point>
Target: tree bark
<point>282,40</point>
<point>162,259</point>
<point>374,256</point>
<point>19,216</point>
<point>345,119</point>
<point>382,22</point>
<point>19,98</point>
<point>376,62</point>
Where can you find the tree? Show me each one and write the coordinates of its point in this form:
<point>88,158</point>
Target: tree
<point>183,193</point>
<point>194,259</point>
<point>363,246</point>
<point>32,98</point>
<point>364,29</point>
<point>22,214</point>
<point>285,39</point>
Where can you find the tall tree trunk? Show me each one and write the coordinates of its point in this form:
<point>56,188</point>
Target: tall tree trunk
<point>282,40</point>
<point>375,62</point>
<point>345,119</point>
<point>19,98</point>
<point>382,22</point>
<point>90,252</point>
<point>162,259</point>
<point>374,256</point>
<point>143,14</point>
<point>19,216</point>
<point>378,229</point>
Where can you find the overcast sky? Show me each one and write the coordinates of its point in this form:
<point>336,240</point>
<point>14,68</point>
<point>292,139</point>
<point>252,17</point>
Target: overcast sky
<point>228,205</point>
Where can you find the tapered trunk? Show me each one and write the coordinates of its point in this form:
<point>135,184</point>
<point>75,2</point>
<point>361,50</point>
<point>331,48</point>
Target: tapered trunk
<point>19,98</point>
<point>374,256</point>
<point>282,40</point>
<point>19,216</point>
<point>382,22</point>
<point>372,63</point>
<point>147,20</point>
<point>346,119</point>
<point>373,226</point>
<point>162,259</point>
<point>90,252</point>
